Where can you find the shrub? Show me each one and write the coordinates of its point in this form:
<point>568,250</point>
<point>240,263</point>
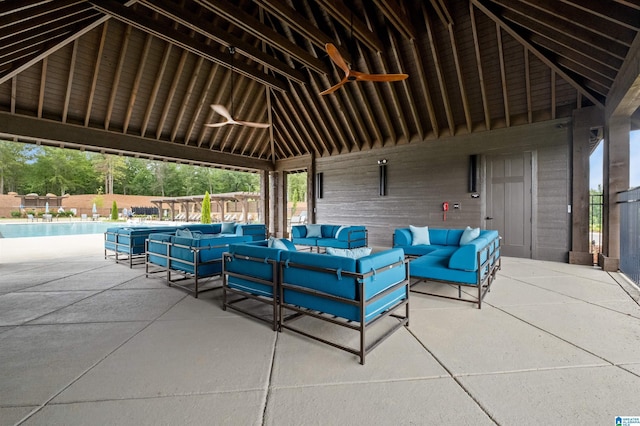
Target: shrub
<point>15,213</point>
<point>114,211</point>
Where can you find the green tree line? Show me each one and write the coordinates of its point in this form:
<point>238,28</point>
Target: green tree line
<point>40,169</point>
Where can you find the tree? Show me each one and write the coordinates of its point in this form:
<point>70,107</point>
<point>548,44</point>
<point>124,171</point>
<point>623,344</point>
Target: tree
<point>11,161</point>
<point>206,208</point>
<point>114,211</point>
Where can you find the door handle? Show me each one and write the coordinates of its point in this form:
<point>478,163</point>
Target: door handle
<point>488,218</point>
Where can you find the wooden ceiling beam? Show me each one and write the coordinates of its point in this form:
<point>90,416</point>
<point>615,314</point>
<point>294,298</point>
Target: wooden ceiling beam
<point>396,14</point>
<point>315,146</point>
<point>200,25</point>
<point>202,103</point>
<point>341,13</point>
<point>52,132</point>
<point>460,74</point>
<point>243,95</point>
<point>136,82</point>
<point>226,78</point>
<point>255,106</point>
<point>611,11</point>
<point>248,23</point>
<point>408,94</point>
<point>282,131</point>
<point>537,53</point>
<point>43,82</point>
<point>157,82</point>
<point>172,92</point>
<point>424,87</point>
<point>186,42</point>
<point>439,72</point>
<point>311,97</point>
<point>503,76</point>
<point>379,99</point>
<point>72,68</point>
<point>552,26</point>
<point>311,122</point>
<point>22,20</point>
<point>566,16</point>
<point>483,88</point>
<point>96,71</point>
<point>294,19</point>
<point>116,78</point>
<point>186,98</point>
<point>442,12</point>
<point>13,6</point>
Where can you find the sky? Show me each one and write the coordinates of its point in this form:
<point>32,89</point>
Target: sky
<point>595,166</point>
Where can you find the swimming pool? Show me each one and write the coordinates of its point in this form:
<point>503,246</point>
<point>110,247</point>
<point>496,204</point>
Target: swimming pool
<point>50,229</point>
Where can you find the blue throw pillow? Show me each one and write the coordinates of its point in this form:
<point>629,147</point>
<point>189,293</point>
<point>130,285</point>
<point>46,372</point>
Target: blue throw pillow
<point>184,233</point>
<point>340,230</point>
<point>468,235</point>
<point>228,228</point>
<point>419,235</point>
<point>314,231</point>
<point>355,253</point>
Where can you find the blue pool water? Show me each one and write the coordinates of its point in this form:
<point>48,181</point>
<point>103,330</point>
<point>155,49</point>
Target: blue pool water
<point>49,229</point>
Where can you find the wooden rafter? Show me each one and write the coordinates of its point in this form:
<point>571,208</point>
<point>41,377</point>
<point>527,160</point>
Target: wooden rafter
<point>248,23</point>
<point>116,79</point>
<point>202,103</point>
<point>200,25</point>
<point>43,85</point>
<point>156,87</point>
<point>460,74</point>
<point>172,91</point>
<point>72,68</point>
<point>424,87</point>
<point>503,76</point>
<point>226,78</point>
<point>439,73</point>
<point>478,57</point>
<point>136,82</point>
<point>187,42</point>
<point>186,99</point>
<point>312,122</point>
<point>96,70</point>
<point>341,13</point>
<point>396,14</point>
<point>537,53</point>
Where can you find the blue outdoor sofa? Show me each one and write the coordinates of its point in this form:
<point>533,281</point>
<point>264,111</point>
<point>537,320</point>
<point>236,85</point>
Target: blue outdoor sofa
<point>460,257</point>
<point>250,272</point>
<point>348,292</point>
<point>336,236</point>
<point>128,242</point>
<point>186,257</point>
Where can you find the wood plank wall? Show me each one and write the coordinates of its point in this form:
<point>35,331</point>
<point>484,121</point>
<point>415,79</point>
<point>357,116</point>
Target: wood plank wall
<point>423,175</point>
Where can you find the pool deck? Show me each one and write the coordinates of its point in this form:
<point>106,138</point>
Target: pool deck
<point>86,341</point>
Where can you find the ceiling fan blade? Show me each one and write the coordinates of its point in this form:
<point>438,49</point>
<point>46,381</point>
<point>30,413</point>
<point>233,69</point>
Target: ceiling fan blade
<point>252,124</point>
<point>222,110</point>
<point>224,123</point>
<point>378,77</point>
<point>336,87</point>
<point>336,57</point>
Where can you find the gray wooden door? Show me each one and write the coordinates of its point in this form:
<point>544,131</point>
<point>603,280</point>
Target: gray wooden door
<point>509,202</point>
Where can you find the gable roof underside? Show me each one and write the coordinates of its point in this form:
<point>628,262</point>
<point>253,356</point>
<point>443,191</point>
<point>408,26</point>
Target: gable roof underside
<point>138,77</point>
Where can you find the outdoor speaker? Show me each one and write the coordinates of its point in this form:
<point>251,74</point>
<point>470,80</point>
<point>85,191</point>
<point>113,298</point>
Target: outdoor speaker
<point>319,184</point>
<point>473,173</point>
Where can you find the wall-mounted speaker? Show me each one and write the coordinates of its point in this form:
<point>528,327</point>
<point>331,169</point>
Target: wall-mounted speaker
<point>473,172</point>
<point>383,177</point>
<point>319,184</point>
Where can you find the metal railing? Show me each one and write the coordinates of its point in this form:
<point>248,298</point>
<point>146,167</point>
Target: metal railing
<point>629,202</point>
<point>595,225</point>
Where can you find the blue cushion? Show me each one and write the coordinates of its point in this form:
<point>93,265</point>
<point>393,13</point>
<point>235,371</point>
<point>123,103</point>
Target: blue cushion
<point>314,231</point>
<point>288,244</point>
<point>228,228</point>
<point>184,233</point>
<point>355,253</point>
<point>340,230</point>
<point>469,235</point>
<point>420,235</point>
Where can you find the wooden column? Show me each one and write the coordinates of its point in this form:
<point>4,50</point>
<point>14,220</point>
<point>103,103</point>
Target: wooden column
<point>584,119</point>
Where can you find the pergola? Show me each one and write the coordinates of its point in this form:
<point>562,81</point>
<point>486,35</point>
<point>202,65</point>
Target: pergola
<point>137,78</point>
<point>194,202</point>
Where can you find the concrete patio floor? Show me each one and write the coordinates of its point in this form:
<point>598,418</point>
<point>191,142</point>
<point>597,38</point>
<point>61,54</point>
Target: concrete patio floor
<point>86,341</point>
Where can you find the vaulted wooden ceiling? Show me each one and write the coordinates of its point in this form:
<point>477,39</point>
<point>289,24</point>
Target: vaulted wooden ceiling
<point>139,76</point>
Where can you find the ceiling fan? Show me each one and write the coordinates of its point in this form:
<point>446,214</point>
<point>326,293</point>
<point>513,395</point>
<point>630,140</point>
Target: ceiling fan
<point>223,111</point>
<point>351,75</point>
